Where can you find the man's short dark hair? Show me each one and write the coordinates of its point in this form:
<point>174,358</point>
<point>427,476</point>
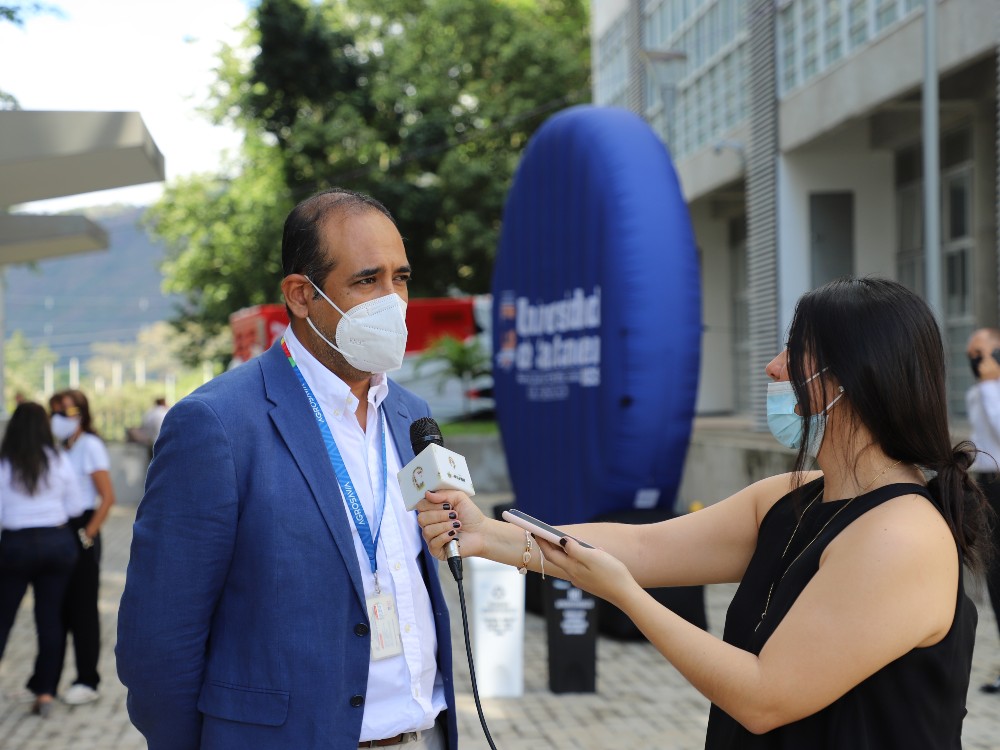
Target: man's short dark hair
<point>300,241</point>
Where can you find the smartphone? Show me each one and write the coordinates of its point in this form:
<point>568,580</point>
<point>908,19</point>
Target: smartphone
<point>539,528</point>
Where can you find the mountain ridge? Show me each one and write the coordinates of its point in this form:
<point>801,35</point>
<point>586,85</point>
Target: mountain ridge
<point>72,302</point>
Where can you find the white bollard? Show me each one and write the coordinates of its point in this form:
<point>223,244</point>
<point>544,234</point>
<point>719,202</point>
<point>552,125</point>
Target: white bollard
<point>497,628</point>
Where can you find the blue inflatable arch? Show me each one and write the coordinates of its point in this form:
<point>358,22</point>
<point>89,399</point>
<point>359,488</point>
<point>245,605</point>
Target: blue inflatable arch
<point>596,320</point>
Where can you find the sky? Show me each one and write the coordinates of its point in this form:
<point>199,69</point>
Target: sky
<point>155,57</point>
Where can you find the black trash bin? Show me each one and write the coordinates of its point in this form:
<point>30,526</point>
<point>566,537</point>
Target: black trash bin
<point>571,626</point>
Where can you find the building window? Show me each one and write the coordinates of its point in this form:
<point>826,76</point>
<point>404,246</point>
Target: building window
<point>788,71</point>
<point>958,262</point>
<point>910,231</point>
<point>886,13</point>
<point>611,66</point>
<point>857,22</point>
<point>958,257</point>
<point>742,380</point>
<point>833,31</point>
<point>810,39</point>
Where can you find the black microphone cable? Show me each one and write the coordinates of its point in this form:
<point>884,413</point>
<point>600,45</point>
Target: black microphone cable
<point>423,432</point>
<point>455,563</point>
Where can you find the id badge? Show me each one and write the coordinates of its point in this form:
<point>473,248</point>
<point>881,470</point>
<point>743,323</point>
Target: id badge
<point>384,621</point>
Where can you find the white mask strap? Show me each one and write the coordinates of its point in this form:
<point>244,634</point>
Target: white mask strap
<point>835,400</point>
<point>317,332</point>
<point>334,304</point>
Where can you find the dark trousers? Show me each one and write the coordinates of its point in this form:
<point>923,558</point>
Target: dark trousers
<point>991,487</point>
<point>79,612</point>
<point>44,558</point>
<point>81,616</point>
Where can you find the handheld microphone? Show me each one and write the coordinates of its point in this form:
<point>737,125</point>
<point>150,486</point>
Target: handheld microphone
<point>434,468</point>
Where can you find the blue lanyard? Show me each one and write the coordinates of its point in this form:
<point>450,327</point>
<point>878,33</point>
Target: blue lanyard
<point>344,478</point>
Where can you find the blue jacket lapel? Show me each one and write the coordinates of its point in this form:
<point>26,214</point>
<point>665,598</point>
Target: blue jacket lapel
<point>399,419</point>
<point>295,423</point>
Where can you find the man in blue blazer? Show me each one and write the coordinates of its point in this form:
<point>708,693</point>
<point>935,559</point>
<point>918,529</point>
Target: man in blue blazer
<point>279,595</point>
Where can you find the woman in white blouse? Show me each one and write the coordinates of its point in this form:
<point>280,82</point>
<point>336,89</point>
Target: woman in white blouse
<point>73,427</point>
<point>39,493</point>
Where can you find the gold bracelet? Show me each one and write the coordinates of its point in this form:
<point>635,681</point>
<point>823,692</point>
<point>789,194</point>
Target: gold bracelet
<point>526,556</point>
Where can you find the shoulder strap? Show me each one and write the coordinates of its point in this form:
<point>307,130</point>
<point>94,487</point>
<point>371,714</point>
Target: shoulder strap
<point>876,497</point>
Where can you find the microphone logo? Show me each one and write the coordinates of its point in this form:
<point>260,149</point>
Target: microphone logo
<point>418,478</point>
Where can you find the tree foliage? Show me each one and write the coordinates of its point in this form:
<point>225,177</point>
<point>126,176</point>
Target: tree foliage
<point>465,360</point>
<point>425,104</point>
<point>24,368</point>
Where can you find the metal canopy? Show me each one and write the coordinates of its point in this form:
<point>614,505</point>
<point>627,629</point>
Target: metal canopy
<point>24,239</point>
<point>54,154</point>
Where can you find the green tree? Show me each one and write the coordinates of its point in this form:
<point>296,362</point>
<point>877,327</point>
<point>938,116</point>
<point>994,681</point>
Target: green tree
<point>24,369</point>
<point>223,237</point>
<point>425,104</point>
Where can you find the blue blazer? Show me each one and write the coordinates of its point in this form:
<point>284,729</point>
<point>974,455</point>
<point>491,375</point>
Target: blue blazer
<point>238,626</point>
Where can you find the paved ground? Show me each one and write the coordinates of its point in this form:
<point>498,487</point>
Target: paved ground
<point>640,700</point>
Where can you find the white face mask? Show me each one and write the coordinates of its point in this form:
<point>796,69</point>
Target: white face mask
<point>372,335</point>
<point>63,427</point>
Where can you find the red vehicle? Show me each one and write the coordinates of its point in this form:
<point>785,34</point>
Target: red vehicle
<point>427,319</point>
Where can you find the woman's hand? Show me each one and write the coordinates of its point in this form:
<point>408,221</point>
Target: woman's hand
<point>592,570</point>
<point>449,515</point>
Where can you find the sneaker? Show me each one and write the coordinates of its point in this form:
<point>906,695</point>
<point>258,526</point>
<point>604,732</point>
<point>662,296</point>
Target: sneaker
<point>78,694</point>
<point>991,687</point>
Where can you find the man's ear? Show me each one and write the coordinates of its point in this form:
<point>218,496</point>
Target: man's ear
<point>297,290</point>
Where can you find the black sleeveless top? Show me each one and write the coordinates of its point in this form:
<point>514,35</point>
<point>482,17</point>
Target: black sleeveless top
<point>916,702</point>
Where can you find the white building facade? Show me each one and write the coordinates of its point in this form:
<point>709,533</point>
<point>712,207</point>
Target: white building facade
<point>795,128</point>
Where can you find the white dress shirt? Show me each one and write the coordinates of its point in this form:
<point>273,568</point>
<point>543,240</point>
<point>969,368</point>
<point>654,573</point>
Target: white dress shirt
<point>405,692</point>
<point>57,497</point>
<point>983,403</point>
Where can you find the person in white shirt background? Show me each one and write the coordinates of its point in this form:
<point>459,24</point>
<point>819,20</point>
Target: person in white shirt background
<point>983,403</point>
<point>39,493</point>
<point>73,427</point>
<point>152,420</point>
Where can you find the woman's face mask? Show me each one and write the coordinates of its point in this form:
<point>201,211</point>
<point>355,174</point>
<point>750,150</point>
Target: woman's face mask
<point>787,426</point>
<point>63,427</point>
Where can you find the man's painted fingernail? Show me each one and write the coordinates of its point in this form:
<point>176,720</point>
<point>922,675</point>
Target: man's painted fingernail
<point>453,516</point>
<point>446,506</point>
<point>563,541</point>
<point>456,524</point>
<point>451,533</point>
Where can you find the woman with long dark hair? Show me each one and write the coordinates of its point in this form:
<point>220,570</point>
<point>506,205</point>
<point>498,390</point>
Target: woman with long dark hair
<point>73,426</point>
<point>850,627</point>
<point>39,493</point>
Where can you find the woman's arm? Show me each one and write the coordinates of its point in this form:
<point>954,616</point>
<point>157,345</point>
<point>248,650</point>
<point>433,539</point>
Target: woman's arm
<point>710,546</point>
<point>885,586</point>
<point>106,494</point>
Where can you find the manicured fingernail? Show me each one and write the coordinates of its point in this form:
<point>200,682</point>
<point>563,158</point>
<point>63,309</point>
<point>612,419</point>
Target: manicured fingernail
<point>563,541</point>
<point>456,524</point>
<point>446,506</point>
<point>453,516</point>
<point>451,533</point>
